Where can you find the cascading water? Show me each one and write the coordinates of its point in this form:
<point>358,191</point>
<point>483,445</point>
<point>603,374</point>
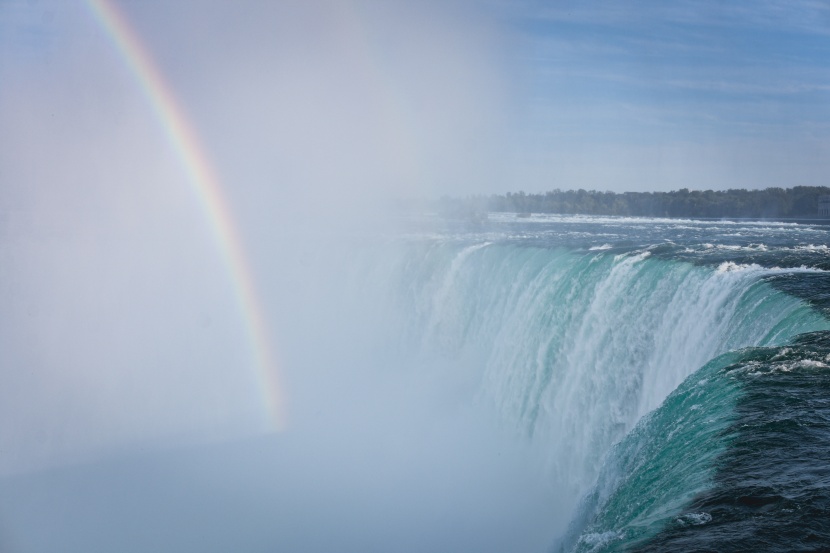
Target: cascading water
<point>734,460</point>
<point>573,347</point>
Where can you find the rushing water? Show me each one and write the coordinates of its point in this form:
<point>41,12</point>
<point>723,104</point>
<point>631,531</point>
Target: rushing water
<point>674,373</point>
<point>664,384</point>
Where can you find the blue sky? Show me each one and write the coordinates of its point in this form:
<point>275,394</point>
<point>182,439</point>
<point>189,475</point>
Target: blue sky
<point>661,95</point>
<point>679,72</point>
<point>496,96</point>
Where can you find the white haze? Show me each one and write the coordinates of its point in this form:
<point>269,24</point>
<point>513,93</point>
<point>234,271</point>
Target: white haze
<point>129,411</point>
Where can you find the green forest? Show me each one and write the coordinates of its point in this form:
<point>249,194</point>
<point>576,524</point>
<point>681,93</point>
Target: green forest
<point>796,202</point>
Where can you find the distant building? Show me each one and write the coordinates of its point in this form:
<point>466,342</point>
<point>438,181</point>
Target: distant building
<point>824,206</point>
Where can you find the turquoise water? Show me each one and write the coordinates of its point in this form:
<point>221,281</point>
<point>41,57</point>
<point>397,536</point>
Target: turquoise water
<point>616,347</point>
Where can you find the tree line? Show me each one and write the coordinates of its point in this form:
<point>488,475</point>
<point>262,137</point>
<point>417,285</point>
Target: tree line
<point>796,202</point>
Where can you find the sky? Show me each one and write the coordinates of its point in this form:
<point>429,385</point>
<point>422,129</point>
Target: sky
<point>656,96</point>
<point>429,98</point>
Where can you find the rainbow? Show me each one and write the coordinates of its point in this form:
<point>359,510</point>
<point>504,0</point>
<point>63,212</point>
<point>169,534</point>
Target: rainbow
<point>206,186</point>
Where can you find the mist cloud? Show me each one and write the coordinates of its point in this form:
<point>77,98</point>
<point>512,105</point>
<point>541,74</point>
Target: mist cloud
<point>122,343</point>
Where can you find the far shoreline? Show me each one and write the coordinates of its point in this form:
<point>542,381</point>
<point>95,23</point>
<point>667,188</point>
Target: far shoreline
<point>799,204</point>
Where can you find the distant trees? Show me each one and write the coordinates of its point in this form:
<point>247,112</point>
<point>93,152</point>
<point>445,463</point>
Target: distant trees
<point>799,201</point>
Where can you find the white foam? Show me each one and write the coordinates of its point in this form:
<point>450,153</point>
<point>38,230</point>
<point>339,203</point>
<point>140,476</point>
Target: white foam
<point>618,219</point>
<point>731,266</point>
<point>598,540</point>
<point>694,519</point>
<point>810,364</point>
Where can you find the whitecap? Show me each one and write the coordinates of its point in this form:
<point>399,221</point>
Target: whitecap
<point>694,519</point>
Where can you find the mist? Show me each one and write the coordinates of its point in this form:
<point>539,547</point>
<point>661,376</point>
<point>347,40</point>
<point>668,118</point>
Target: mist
<point>130,414</point>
